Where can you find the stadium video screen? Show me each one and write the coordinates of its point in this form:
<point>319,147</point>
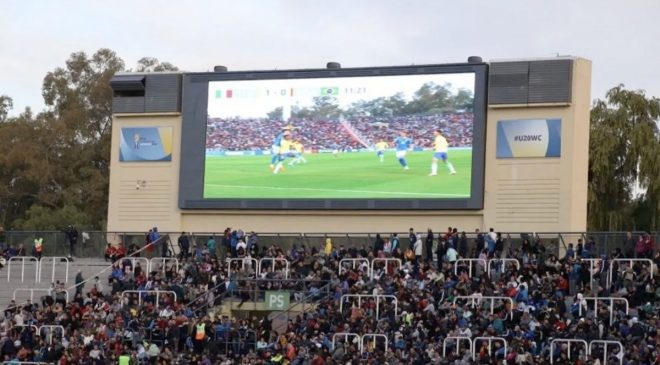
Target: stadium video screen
<point>368,137</point>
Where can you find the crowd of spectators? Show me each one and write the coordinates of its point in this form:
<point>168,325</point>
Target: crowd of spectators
<point>258,134</point>
<point>550,295</point>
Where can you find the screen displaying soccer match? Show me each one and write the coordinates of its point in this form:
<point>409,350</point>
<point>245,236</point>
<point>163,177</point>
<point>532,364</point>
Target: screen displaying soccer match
<point>368,137</point>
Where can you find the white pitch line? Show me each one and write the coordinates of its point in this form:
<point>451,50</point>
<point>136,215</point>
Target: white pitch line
<point>336,190</point>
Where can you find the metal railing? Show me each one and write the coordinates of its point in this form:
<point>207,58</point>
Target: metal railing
<point>374,336</point>
<point>23,260</point>
<point>491,299</point>
<point>569,342</point>
<point>157,293</point>
<point>605,343</point>
<point>490,340</point>
<point>470,262</point>
<point>611,306</point>
<point>376,297</point>
<point>458,340</point>
<point>54,261</point>
<point>273,261</point>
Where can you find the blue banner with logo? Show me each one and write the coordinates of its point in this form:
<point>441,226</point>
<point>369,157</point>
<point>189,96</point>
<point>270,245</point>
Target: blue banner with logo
<point>529,138</point>
<point>146,144</point>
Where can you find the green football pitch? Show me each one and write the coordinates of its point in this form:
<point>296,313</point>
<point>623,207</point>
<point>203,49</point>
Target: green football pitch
<point>349,175</point>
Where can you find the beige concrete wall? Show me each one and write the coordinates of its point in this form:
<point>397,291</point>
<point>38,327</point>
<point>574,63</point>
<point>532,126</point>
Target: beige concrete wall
<point>542,194</point>
<point>521,194</point>
<point>155,204</point>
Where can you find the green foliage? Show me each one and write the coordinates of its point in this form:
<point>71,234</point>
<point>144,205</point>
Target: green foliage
<point>6,104</point>
<point>40,218</point>
<point>57,162</point>
<point>624,162</point>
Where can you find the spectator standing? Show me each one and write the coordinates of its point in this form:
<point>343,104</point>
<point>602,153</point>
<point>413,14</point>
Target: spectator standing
<point>72,236</point>
<point>327,250</point>
<point>211,245</point>
<point>396,246</point>
<point>80,282</point>
<point>429,245</point>
<point>480,241</point>
<point>379,245</point>
<point>629,245</point>
<point>463,245</point>
<point>38,247</point>
<point>184,246</point>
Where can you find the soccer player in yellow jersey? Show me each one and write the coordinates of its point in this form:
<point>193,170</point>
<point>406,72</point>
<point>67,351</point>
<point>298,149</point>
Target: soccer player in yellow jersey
<point>380,150</point>
<point>297,151</point>
<point>441,147</point>
<point>285,147</point>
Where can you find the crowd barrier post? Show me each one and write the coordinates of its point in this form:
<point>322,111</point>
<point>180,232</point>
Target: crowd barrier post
<point>23,259</point>
<point>458,340</point>
<point>482,261</point>
<point>490,340</point>
<point>272,261</point>
<point>354,262</point>
<point>374,336</point>
<point>568,341</point>
<point>605,343</point>
<point>54,260</point>
<point>386,261</point>
<point>346,335</point>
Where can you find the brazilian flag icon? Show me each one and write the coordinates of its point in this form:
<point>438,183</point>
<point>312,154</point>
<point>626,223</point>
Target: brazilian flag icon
<point>329,91</point>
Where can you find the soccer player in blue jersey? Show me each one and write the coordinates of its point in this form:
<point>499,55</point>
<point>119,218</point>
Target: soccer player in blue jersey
<point>402,144</point>
<point>276,148</point>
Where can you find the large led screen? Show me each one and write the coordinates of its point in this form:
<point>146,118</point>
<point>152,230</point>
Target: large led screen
<point>372,137</point>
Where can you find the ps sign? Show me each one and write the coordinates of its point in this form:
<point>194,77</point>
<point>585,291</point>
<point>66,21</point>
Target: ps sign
<point>277,300</point>
<point>529,138</point>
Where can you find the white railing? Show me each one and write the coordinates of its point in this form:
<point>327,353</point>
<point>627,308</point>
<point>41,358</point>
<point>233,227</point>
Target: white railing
<point>50,332</point>
<point>163,261</point>
<point>490,340</point>
<point>376,297</point>
<point>630,261</point>
<point>242,262</point>
<point>491,299</point>
<point>458,340</point>
<point>503,261</point>
<point>605,343</point>
<point>272,261</point>
<point>31,291</point>
<point>353,262</point>
<point>387,263</point>
<point>54,260</point>
<point>23,259</point>
<point>568,341</point>
<point>147,292</point>
<point>345,335</point>
<point>611,307</point>
<point>592,266</point>
<point>374,336</point>
<point>470,262</point>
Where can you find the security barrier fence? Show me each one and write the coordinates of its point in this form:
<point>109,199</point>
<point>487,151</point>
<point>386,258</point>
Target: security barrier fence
<point>92,244</point>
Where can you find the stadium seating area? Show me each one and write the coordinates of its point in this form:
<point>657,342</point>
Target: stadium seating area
<point>445,300</point>
<point>253,134</point>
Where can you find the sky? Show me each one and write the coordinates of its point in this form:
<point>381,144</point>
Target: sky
<point>255,98</point>
<point>36,36</point>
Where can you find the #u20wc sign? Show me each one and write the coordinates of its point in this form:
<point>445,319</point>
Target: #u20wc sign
<point>529,138</point>
<point>146,144</point>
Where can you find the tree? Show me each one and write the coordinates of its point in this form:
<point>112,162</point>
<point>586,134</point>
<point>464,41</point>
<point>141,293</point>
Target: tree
<point>624,151</point>
<point>6,104</point>
<point>151,64</point>
<point>56,164</point>
<point>276,114</point>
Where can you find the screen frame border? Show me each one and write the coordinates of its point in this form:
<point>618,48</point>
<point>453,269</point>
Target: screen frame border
<point>195,88</point>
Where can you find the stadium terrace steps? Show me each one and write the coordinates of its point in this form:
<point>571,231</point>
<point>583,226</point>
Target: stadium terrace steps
<point>89,268</point>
